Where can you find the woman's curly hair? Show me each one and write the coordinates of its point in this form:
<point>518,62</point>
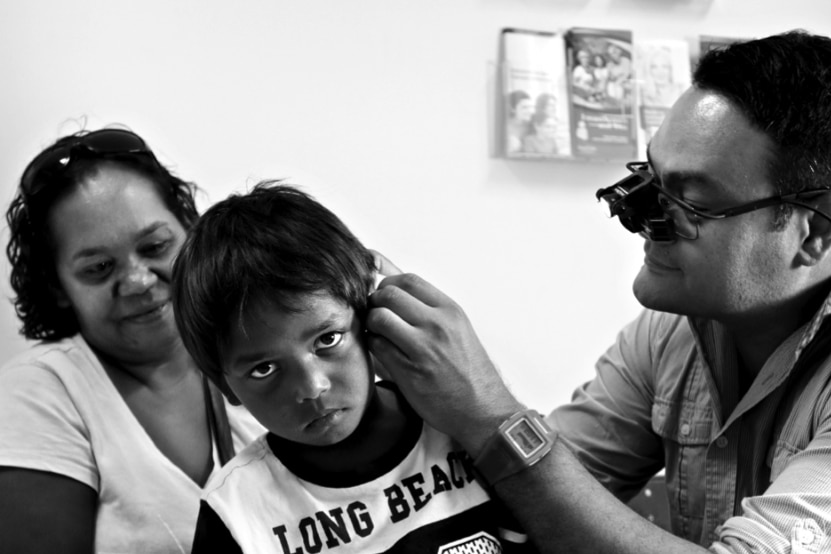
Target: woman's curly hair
<point>30,248</point>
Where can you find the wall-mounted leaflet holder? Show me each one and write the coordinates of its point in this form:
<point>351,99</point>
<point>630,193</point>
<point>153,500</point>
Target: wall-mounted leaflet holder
<point>587,93</point>
<point>568,95</point>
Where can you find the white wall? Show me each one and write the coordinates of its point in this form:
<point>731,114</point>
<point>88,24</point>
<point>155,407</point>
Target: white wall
<point>383,110</point>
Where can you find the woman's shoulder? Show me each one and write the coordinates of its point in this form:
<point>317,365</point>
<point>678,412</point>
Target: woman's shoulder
<point>48,356</point>
<point>43,401</point>
<point>51,371</point>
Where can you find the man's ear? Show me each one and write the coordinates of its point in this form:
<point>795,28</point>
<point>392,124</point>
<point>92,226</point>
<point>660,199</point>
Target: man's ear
<point>817,242</point>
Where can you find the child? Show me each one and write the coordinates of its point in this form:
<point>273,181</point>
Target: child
<point>270,292</point>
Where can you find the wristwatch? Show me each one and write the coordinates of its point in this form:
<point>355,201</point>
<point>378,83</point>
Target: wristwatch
<point>521,441</point>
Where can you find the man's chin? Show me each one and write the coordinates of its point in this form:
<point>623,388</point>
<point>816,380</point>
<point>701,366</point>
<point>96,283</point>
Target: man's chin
<point>658,298</point>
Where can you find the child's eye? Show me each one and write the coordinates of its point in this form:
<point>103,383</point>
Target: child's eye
<point>263,370</point>
<point>329,340</point>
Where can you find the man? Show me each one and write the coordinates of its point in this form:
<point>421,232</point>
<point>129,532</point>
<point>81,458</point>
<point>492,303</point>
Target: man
<point>724,381</point>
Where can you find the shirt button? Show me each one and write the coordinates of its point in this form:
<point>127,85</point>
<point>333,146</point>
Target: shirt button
<point>721,442</point>
<point>685,429</point>
<point>804,536</point>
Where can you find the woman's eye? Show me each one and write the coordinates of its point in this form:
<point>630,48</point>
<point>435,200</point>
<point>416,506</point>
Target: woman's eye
<point>329,340</point>
<point>97,270</point>
<point>263,370</point>
<point>156,248</point>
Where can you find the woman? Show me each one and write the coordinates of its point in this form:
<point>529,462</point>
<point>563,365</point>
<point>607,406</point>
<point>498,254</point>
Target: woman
<point>659,89</point>
<point>107,429</point>
<point>520,110</point>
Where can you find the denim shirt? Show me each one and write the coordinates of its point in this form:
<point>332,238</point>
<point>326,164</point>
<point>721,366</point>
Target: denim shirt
<point>749,474</point>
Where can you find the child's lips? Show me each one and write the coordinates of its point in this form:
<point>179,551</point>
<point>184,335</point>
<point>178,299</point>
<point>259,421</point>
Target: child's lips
<point>326,418</point>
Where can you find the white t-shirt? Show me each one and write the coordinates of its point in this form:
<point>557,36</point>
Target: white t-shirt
<point>421,496</point>
<point>59,412</point>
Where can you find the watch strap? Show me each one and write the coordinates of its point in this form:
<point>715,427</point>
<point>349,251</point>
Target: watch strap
<point>521,441</point>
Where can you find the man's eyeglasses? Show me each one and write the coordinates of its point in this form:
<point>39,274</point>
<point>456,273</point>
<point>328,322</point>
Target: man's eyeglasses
<point>645,207</point>
<point>53,161</point>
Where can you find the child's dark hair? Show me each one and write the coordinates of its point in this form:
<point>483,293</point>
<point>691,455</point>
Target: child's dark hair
<point>271,244</point>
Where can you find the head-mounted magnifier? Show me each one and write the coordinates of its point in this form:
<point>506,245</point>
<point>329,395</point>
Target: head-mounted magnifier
<point>634,200</point>
<point>645,207</point>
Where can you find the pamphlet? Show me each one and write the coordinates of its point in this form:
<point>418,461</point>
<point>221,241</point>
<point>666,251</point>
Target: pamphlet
<point>536,108</point>
<point>662,68</point>
<point>601,93</point>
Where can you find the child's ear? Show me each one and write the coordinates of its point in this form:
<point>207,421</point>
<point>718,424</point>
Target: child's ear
<point>378,369</point>
<point>377,281</point>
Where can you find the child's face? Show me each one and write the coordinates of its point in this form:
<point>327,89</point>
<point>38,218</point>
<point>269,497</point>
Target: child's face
<point>304,375</point>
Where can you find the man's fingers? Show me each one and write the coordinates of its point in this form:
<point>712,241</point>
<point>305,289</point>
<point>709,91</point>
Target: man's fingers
<point>388,357</point>
<point>411,285</point>
<point>388,324</point>
<point>390,302</point>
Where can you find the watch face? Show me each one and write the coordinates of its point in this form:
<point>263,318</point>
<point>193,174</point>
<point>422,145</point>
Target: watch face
<point>525,437</point>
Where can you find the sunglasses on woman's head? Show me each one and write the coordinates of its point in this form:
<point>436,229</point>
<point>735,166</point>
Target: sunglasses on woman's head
<point>52,162</point>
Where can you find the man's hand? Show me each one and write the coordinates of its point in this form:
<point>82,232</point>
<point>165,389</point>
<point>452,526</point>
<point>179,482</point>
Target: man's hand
<point>428,347</point>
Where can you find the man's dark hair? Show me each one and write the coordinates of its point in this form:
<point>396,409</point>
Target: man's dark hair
<point>782,84</point>
<point>267,246</point>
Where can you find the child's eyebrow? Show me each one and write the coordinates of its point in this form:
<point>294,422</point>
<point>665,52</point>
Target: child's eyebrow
<point>332,321</point>
<point>240,363</point>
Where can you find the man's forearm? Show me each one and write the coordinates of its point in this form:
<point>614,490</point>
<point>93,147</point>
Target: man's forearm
<point>564,509</point>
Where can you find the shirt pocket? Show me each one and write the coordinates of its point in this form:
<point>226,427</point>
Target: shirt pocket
<point>685,428</point>
<point>682,422</point>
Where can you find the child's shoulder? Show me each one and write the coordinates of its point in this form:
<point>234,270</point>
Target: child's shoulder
<point>242,466</point>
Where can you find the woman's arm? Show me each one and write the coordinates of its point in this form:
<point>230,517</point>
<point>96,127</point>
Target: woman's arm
<point>42,512</point>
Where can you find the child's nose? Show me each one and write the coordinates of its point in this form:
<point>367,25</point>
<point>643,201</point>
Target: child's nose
<point>312,384</point>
